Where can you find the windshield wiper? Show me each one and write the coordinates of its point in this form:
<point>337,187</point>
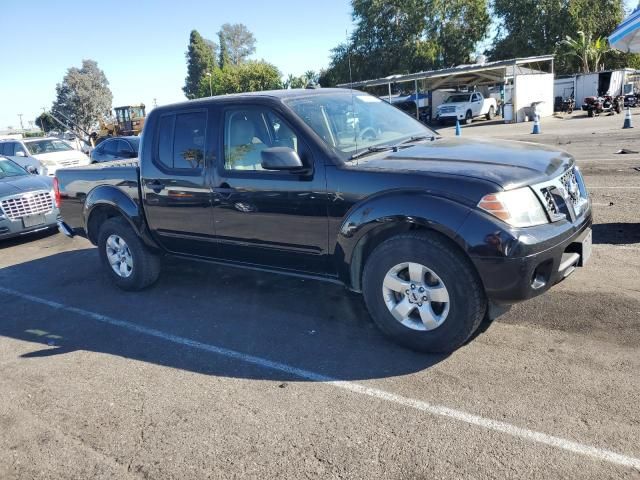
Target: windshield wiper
<point>370,150</point>
<point>417,138</point>
<point>395,148</point>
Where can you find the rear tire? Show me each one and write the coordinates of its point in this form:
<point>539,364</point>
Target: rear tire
<point>122,251</point>
<point>463,313</point>
<point>491,114</point>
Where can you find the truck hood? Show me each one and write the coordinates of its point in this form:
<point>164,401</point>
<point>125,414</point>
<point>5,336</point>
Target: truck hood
<point>509,164</point>
<point>27,183</point>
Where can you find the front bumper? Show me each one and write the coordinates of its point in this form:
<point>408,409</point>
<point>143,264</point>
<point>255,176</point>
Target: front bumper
<point>450,116</point>
<point>15,228</point>
<point>515,265</point>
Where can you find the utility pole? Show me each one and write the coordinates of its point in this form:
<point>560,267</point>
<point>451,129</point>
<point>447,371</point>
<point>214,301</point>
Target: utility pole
<point>21,125</point>
<point>155,102</point>
<point>208,74</point>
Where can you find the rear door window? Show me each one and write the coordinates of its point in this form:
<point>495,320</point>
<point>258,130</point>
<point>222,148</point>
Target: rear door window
<point>181,141</point>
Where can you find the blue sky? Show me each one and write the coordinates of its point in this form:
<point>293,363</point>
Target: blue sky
<point>140,44</point>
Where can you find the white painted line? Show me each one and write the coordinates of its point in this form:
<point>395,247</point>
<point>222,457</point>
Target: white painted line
<point>613,188</point>
<point>615,246</point>
<point>437,410</point>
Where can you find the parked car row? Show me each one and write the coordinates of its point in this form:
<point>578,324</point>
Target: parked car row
<point>44,156</point>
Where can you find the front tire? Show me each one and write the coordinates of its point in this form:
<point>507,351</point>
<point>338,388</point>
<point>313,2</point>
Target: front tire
<point>423,293</point>
<point>468,119</point>
<point>127,261</point>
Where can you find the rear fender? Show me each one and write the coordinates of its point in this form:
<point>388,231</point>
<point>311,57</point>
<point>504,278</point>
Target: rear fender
<point>112,197</point>
<point>383,216</point>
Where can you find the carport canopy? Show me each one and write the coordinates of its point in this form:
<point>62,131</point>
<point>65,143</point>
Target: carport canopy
<point>488,73</point>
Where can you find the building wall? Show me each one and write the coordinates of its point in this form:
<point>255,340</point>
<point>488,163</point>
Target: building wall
<point>533,88</point>
<point>563,87</point>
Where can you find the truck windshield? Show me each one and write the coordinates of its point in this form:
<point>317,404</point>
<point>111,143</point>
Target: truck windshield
<point>47,146</point>
<point>10,169</point>
<point>457,99</point>
<point>354,123</point>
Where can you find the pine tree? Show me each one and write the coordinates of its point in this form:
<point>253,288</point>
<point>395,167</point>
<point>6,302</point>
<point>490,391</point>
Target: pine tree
<point>200,60</point>
<point>223,59</point>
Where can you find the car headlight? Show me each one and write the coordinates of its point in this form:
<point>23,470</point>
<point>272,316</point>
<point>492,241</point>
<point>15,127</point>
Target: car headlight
<point>519,208</point>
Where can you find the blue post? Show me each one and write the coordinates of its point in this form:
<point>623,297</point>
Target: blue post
<point>458,129</point>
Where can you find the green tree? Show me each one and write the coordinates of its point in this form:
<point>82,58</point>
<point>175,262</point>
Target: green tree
<point>535,27</point>
<point>46,123</point>
<point>200,59</point>
<point>83,95</point>
<point>401,36</point>
<point>223,59</point>
<point>252,76</point>
<point>238,42</point>
<point>582,48</point>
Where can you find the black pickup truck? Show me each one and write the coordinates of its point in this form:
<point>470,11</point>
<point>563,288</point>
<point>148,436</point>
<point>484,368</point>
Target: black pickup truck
<point>341,186</point>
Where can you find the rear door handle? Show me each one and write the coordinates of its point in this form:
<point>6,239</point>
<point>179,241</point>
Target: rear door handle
<point>155,185</point>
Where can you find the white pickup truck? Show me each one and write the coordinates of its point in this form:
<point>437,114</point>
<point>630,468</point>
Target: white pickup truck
<point>465,107</point>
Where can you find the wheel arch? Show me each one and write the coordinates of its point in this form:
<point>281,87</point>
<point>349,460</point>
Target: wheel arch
<point>106,202</point>
<point>373,222</point>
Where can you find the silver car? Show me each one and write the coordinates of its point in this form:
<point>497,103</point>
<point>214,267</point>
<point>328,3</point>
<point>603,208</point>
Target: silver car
<point>27,202</point>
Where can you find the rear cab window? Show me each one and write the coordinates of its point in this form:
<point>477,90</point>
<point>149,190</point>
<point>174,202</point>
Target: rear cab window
<point>180,141</point>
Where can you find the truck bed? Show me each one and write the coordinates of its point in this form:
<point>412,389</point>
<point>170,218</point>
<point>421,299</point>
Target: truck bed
<point>76,183</point>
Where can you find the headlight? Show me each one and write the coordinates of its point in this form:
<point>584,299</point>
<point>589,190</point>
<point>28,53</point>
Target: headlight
<point>519,208</point>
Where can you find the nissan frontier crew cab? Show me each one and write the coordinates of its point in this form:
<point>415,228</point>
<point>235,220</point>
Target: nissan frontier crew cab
<point>341,186</point>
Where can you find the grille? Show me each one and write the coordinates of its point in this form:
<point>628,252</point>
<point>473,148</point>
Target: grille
<point>550,203</point>
<point>447,109</point>
<point>565,196</point>
<point>69,163</point>
<point>569,182</point>
<point>27,204</point>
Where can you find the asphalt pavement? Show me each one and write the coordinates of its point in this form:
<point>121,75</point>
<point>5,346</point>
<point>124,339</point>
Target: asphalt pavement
<point>217,372</point>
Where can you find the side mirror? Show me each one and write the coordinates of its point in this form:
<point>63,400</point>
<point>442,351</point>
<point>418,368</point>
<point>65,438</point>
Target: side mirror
<point>32,170</point>
<point>281,158</point>
<point>21,154</point>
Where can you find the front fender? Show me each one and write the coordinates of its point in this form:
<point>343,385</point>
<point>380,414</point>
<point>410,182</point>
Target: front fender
<point>390,213</point>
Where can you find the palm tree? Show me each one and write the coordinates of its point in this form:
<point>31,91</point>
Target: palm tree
<point>311,76</point>
<point>288,83</point>
<point>599,48</point>
<point>580,47</point>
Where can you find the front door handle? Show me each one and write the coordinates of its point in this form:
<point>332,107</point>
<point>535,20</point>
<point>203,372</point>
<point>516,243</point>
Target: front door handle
<point>155,185</point>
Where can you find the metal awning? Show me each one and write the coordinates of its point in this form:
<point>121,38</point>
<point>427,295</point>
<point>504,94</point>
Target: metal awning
<point>477,74</point>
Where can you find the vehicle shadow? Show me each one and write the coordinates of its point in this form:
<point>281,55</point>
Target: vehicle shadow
<point>616,233</point>
<point>305,324</point>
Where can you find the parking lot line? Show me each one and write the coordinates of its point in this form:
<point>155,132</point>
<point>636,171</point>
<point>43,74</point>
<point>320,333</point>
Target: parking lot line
<point>614,188</point>
<point>436,410</point>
